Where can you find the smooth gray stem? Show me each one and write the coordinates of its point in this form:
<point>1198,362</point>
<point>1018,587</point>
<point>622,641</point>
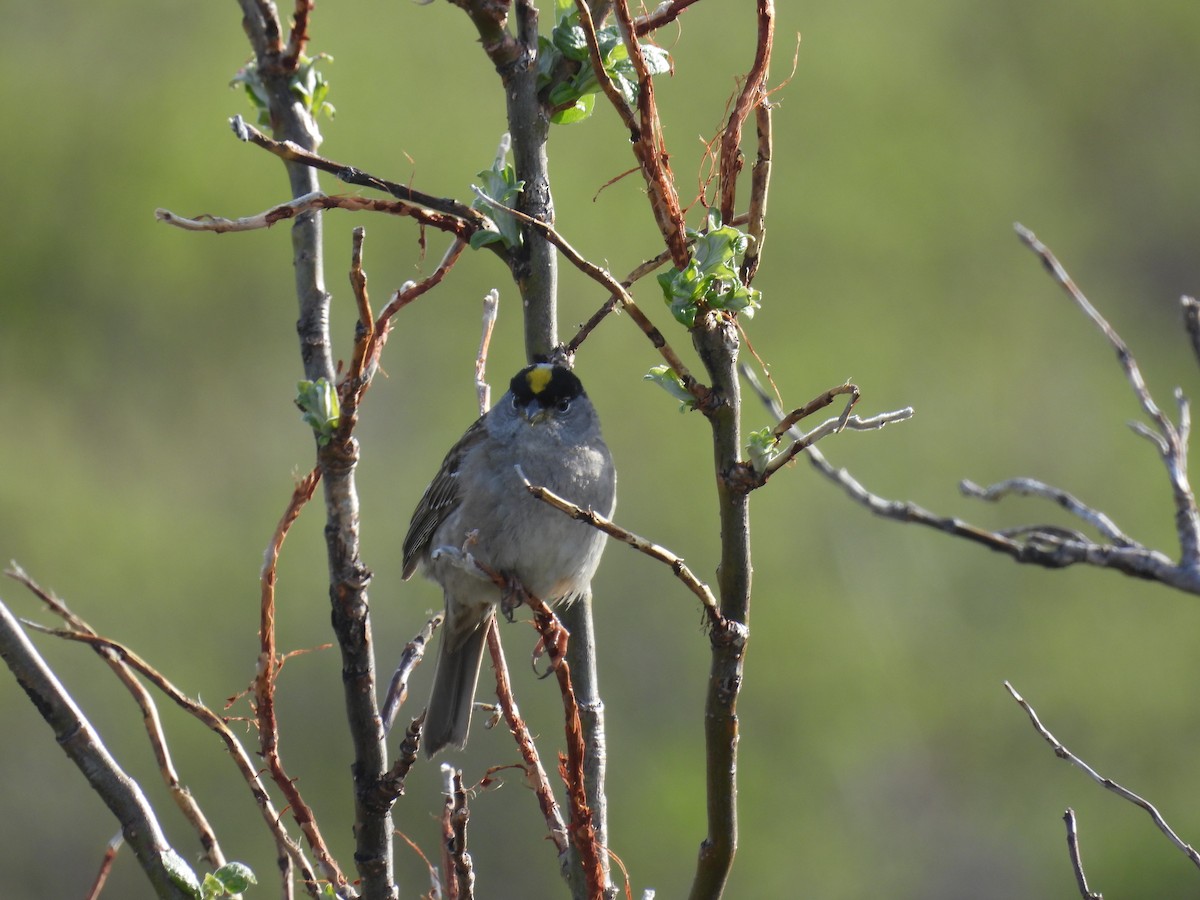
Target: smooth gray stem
<point>82,744</point>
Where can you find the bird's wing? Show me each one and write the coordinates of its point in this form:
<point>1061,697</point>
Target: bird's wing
<point>440,499</point>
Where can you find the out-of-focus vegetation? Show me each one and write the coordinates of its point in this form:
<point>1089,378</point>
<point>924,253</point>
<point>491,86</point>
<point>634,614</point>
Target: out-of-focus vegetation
<point>150,437</point>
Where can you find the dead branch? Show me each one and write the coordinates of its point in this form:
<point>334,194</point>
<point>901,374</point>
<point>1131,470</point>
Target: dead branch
<point>1107,783</point>
<point>1077,859</point>
<point>1051,546</point>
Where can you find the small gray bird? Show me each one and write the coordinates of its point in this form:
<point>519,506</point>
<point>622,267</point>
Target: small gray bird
<point>545,424</point>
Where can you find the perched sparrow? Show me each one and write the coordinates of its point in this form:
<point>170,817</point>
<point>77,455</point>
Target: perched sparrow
<point>545,424</point>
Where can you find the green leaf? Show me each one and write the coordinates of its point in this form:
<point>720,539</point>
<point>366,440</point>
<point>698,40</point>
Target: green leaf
<point>711,280</point>
<point>576,112</point>
<point>319,406</point>
<point>500,183</point>
<point>666,379</point>
<point>233,878</point>
<point>761,448</point>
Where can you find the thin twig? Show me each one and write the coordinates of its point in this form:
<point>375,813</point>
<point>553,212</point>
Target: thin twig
<point>289,151</point>
<point>661,15</point>
<point>1077,859</point>
<point>214,722</point>
<point>410,658</point>
<point>1107,783</point>
<point>535,772</point>
<point>264,685</point>
<point>318,200</point>
<point>183,797</point>
<point>606,280</point>
<point>571,764</point>
<point>162,866</point>
<point>753,92</point>
<point>458,870</point>
<point>1031,487</point>
<point>641,544</point>
<point>1172,442</point>
<point>491,309</point>
<point>106,863</point>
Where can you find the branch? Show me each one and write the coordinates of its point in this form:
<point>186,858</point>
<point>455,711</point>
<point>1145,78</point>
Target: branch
<point>158,742</point>
<point>291,152</point>
<point>1172,441</point>
<point>264,685</point>
<point>1050,546</point>
<point>1108,784</point>
<point>167,871</point>
<point>295,142</point>
<point>654,551</point>
<point>315,201</point>
<point>410,658</point>
<point>1076,859</point>
<point>605,279</point>
<point>665,13</point>
<point>753,93</point>
<point>535,772</point>
<point>571,765</point>
<point>645,130</point>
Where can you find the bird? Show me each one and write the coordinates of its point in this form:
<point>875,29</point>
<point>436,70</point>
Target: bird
<point>546,429</point>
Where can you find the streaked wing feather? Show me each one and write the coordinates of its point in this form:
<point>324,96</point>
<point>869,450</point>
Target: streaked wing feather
<point>440,499</point>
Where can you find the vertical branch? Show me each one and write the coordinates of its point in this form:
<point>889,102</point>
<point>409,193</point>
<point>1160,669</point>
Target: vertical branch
<point>752,95</point>
<point>716,340</point>
<point>348,576</point>
<point>535,268</point>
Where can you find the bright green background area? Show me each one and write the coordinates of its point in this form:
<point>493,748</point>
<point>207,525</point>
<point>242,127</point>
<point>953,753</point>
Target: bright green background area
<point>151,441</point>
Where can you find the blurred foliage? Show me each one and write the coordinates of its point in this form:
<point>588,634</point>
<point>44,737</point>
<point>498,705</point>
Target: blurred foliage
<point>152,437</point>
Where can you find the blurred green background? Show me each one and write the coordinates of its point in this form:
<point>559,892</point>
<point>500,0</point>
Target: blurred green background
<point>151,442</point>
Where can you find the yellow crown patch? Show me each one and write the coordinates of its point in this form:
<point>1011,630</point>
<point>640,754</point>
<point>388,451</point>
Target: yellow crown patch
<point>538,378</point>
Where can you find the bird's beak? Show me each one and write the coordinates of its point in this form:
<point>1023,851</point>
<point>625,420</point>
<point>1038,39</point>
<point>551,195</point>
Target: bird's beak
<point>534,413</point>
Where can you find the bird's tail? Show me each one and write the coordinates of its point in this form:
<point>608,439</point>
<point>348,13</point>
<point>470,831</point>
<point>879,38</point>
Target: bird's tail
<point>448,718</point>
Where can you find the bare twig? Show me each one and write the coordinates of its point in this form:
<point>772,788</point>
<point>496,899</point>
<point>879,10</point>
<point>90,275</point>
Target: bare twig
<point>1042,545</point>
<point>1107,783</point>
<point>535,772</point>
<point>297,34</point>
<point>753,93</point>
<point>291,152</point>
<point>314,201</point>
<point>158,742</point>
<point>1171,440</point>
<point>264,685</point>
<point>459,871</point>
<point>82,744</point>
<point>1077,859</point>
<point>491,308</point>
<point>654,551</point>
<point>571,765</point>
<point>760,183</point>
<point>106,863</point>
<point>410,658</point>
<point>1031,487</point>
<point>246,766</point>
<point>661,15</point>
<point>1191,321</point>
<point>605,279</point>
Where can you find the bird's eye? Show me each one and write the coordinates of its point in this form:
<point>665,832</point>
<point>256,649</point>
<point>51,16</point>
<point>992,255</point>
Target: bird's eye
<point>564,405</point>
<point>513,400</point>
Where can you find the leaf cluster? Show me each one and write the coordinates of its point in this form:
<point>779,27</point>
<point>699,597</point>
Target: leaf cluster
<point>710,280</point>
<point>308,84</point>
<point>573,98</point>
